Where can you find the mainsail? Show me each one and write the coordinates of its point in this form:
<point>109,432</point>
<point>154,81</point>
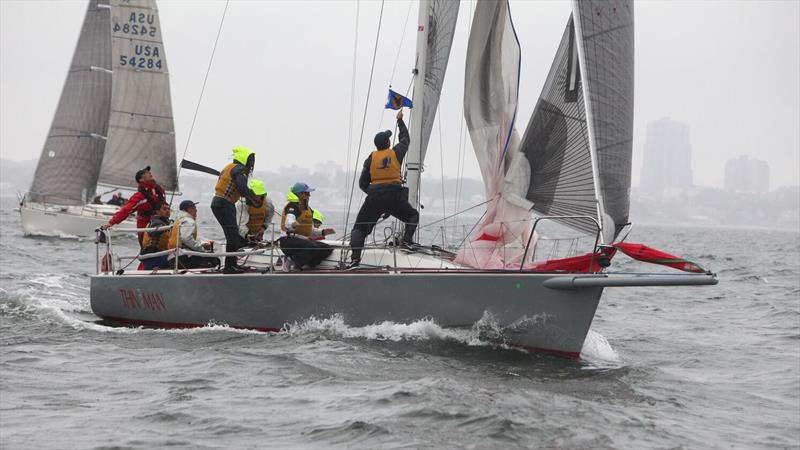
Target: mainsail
<point>70,161</point>
<point>575,156</point>
<point>141,130</point>
<point>491,88</point>
<point>605,30</point>
<point>552,171</point>
<point>437,24</point>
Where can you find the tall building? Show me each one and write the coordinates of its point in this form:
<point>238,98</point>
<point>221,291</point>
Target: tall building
<point>667,156</point>
<point>747,175</point>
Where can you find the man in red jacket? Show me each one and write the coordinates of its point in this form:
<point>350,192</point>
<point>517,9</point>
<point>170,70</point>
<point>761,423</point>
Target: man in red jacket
<point>145,201</point>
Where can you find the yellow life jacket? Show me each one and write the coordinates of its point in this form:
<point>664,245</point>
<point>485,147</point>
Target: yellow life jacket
<point>257,217</point>
<point>163,239</point>
<point>225,187</point>
<point>385,167</point>
<point>305,221</point>
<point>173,234</point>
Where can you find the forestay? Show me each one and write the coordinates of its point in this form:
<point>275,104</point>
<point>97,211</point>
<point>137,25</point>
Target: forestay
<point>141,129</point>
<point>70,161</point>
<point>490,106</point>
<point>437,24</point>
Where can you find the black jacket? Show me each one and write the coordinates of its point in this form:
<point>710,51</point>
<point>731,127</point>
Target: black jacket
<point>400,150</point>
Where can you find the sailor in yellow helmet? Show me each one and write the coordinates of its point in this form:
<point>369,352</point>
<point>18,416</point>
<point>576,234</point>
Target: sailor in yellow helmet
<point>297,221</point>
<point>253,220</point>
<point>231,186</point>
<point>382,181</point>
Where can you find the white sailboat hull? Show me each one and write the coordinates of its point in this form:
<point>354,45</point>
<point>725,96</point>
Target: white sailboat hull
<point>64,221</point>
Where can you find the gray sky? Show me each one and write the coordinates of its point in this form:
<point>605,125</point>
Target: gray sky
<point>281,81</point>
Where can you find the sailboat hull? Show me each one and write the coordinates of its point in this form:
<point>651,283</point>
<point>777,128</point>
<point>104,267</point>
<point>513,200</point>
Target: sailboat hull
<point>531,315</point>
<point>73,221</point>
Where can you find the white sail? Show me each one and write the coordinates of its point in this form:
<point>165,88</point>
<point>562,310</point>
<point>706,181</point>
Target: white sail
<point>491,88</point>
<point>141,129</point>
<point>437,24</point>
<point>70,160</point>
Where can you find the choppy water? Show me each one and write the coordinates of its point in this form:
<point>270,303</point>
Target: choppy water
<point>661,368</point>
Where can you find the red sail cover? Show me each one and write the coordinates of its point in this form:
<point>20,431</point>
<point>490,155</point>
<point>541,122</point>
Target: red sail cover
<point>582,263</point>
<point>651,255</point>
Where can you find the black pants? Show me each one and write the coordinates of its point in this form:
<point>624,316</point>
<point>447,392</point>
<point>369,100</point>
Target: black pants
<point>392,201</point>
<point>305,252</point>
<point>196,262</point>
<point>225,213</point>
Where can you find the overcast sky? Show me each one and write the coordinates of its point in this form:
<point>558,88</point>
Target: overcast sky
<point>281,79</point>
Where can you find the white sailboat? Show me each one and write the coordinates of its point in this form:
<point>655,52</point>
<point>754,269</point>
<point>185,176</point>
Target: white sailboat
<point>114,117</point>
<point>571,166</point>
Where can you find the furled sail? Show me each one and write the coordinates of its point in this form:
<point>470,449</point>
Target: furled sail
<point>605,30</point>
<point>435,38</point>
<point>70,161</point>
<point>552,171</point>
<point>141,130</point>
<point>490,107</point>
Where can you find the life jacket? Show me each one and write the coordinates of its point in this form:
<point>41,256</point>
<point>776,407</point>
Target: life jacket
<point>162,238</point>
<point>226,187</point>
<point>173,233</point>
<point>257,217</point>
<point>305,220</point>
<point>155,203</point>
<point>385,167</point>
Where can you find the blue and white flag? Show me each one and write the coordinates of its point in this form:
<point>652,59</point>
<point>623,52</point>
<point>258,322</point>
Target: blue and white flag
<point>397,101</point>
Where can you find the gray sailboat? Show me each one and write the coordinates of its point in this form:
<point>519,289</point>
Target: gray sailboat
<point>572,166</point>
<point>114,116</point>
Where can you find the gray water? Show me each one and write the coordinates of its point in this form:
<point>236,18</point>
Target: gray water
<point>711,367</point>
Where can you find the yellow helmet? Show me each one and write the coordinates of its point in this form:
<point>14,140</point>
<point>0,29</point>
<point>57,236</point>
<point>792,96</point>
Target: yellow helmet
<point>241,153</point>
<point>257,186</point>
<point>291,197</point>
<point>318,216</point>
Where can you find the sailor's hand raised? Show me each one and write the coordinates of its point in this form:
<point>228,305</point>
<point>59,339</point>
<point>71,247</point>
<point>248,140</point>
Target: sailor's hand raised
<point>105,226</point>
<point>400,115</point>
<point>328,231</point>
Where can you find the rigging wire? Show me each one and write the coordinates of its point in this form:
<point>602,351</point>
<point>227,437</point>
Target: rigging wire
<point>202,91</point>
<point>352,110</point>
<point>364,117</point>
<point>462,140</point>
<point>441,163</point>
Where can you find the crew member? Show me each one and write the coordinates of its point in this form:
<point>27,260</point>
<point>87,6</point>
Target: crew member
<point>297,221</point>
<point>145,201</point>
<point>254,220</point>
<point>382,181</point>
<point>157,241</point>
<point>231,186</point>
<point>186,225</point>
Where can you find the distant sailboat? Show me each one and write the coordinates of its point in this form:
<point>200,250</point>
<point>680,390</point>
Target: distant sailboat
<point>114,117</point>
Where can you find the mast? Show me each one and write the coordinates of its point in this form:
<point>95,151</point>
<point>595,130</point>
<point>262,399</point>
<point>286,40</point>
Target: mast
<point>414,156</point>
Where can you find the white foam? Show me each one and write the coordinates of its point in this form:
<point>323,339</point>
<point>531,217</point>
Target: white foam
<point>598,352</point>
<point>419,330</point>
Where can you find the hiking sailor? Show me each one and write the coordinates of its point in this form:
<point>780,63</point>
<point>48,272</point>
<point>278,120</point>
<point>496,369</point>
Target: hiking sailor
<point>254,220</point>
<point>158,240</point>
<point>382,181</point>
<point>186,225</point>
<point>297,221</point>
<point>145,201</point>
<point>231,186</point>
